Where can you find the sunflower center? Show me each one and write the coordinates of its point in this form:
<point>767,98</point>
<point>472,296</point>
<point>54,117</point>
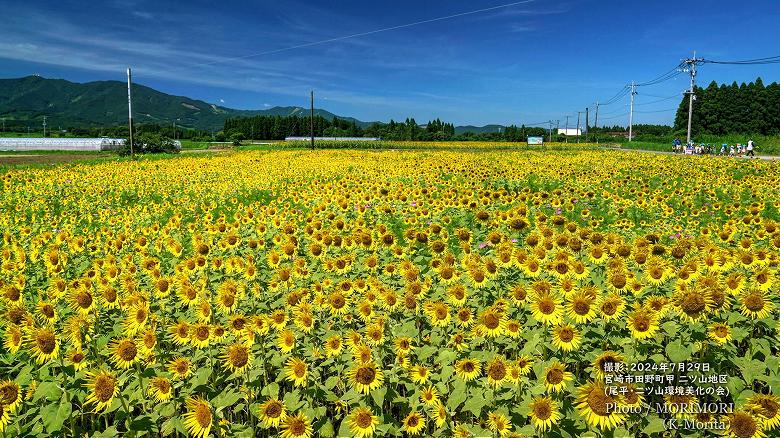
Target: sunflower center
<point>546,306</point>
<point>163,386</point>
<point>202,333</point>
<point>642,323</point>
<point>203,415</point>
<point>599,402</point>
<point>491,321</point>
<point>127,351</point>
<point>140,315</point>
<point>12,294</point>
<point>554,376</point>
<point>47,310</point>
<point>609,307</point>
<point>77,357</point>
<point>693,303</point>
<point>566,334</point>
<point>299,369</point>
<point>770,406</point>
<point>721,331</point>
<point>274,409</point>
<point>581,307</point>
<point>619,281</point>
<point>468,367</point>
<point>497,371</point>
<point>296,427</point>
<point>46,342</point>
<point>104,388</point>
<point>8,394</point>
<point>84,300</point>
<point>413,421</point>
<point>238,356</point>
<point>337,302</point>
<point>754,302</point>
<point>365,375</point>
<point>542,411</point>
<point>743,425</point>
<point>363,419</point>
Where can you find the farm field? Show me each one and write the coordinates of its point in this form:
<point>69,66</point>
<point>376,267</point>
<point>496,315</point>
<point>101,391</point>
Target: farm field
<point>302,293</point>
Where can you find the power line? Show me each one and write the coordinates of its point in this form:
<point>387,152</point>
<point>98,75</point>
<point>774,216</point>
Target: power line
<point>656,111</point>
<point>656,101</point>
<point>614,117</point>
<point>766,60</point>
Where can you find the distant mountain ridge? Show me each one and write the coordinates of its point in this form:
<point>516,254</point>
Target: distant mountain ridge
<point>104,103</point>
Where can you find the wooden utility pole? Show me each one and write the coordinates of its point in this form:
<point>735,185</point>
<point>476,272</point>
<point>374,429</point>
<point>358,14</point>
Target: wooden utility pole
<point>311,120</point>
<point>130,112</point>
<point>587,123</point>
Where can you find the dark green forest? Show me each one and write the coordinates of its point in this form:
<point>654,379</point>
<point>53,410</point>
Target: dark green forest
<point>733,109</point>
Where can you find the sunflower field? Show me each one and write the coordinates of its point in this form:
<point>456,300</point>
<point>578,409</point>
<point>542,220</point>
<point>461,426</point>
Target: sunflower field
<point>390,293</point>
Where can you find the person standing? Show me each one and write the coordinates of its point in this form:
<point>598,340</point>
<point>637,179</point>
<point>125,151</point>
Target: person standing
<point>750,147</point>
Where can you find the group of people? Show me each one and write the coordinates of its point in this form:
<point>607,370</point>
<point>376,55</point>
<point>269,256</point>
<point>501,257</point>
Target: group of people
<point>734,150</point>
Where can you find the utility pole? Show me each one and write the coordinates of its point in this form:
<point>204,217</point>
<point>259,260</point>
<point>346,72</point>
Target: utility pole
<point>578,126</point>
<point>3,124</point>
<point>631,113</point>
<point>311,120</point>
<point>44,126</point>
<point>587,123</point>
<point>130,112</point>
<point>550,131</point>
<point>596,121</point>
<point>567,129</point>
<point>691,63</point>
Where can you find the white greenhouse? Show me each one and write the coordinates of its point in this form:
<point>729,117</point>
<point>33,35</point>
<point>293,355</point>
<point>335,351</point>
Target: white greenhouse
<point>61,144</point>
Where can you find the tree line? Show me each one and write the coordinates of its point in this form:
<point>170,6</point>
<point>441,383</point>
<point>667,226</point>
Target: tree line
<point>279,127</point>
<point>732,109</point>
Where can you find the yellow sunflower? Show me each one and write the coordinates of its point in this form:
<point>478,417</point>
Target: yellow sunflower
<point>102,388</point>
<point>544,413</point>
<point>362,422</point>
<point>198,419</point>
<point>272,413</point>
<point>365,377</point>
<point>296,426</point>
<point>597,407</point>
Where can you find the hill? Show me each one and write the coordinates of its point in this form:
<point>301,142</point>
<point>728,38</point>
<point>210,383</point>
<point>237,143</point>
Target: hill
<point>104,103</point>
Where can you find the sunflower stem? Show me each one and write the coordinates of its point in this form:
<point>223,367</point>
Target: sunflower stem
<point>141,384</point>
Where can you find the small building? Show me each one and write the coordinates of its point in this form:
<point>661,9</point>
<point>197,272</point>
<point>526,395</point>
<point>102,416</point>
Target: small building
<point>573,132</point>
<point>61,144</point>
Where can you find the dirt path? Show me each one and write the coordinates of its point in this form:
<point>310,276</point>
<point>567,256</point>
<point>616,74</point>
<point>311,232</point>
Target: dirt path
<point>762,157</point>
<point>55,158</point>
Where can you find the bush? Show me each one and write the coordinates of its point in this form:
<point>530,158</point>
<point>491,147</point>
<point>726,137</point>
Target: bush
<point>153,143</point>
<point>236,138</point>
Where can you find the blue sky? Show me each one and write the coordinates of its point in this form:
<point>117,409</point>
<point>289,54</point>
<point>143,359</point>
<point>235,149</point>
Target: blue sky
<point>525,63</point>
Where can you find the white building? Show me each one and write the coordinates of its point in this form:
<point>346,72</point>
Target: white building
<point>61,144</point>
<point>574,132</point>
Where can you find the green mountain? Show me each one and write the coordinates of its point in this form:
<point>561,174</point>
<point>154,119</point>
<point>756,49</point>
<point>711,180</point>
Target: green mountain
<point>24,101</point>
<point>479,129</point>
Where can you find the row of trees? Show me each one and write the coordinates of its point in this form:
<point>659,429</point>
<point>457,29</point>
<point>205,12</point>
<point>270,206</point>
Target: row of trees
<point>279,127</point>
<point>733,109</point>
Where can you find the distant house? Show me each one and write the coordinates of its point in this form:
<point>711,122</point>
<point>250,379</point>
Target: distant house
<point>61,144</point>
<point>574,132</point>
